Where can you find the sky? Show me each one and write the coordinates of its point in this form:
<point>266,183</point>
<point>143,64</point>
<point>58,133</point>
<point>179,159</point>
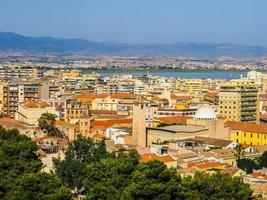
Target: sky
<point>139,21</point>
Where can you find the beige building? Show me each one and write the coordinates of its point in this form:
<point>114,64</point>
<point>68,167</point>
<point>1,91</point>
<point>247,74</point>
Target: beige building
<point>14,93</point>
<point>23,128</point>
<point>30,112</point>
<point>238,101</point>
<point>206,117</point>
<point>204,123</point>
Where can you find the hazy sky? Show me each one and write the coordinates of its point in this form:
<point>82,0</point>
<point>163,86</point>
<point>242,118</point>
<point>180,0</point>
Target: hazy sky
<point>139,21</point>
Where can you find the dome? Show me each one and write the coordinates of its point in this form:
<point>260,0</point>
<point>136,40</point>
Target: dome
<point>205,113</point>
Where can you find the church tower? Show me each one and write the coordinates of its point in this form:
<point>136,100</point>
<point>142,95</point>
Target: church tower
<point>139,125</point>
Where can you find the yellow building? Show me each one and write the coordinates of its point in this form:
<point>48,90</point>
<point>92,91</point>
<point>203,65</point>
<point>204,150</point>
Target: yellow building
<point>248,133</point>
<point>70,73</point>
<point>238,101</point>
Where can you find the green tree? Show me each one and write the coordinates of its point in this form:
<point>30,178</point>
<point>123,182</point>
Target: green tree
<point>247,165</point>
<point>263,160</point>
<point>109,177</point>
<point>47,123</point>
<point>37,186</point>
<point>81,152</point>
<point>153,180</point>
<point>216,186</point>
<point>20,171</point>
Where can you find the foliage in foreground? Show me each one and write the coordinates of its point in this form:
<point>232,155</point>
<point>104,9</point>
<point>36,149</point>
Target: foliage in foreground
<point>105,176</point>
<point>20,174</point>
<point>248,164</point>
<point>101,175</point>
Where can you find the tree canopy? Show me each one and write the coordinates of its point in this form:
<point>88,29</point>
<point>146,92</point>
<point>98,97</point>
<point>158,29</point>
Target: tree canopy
<point>101,175</point>
<point>98,174</point>
<point>47,123</point>
<point>20,174</point>
<point>80,153</point>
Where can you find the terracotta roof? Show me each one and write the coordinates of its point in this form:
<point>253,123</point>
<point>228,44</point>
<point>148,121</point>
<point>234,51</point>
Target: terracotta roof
<point>230,170</point>
<point>31,104</point>
<point>175,119</point>
<point>209,165</point>
<point>204,164</point>
<point>123,96</point>
<point>98,112</point>
<point>180,98</point>
<point>109,123</point>
<point>12,123</point>
<point>249,127</point>
<point>258,175</point>
<point>151,156</point>
<point>212,94</point>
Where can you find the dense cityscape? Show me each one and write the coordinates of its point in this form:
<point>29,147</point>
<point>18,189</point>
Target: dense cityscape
<point>211,125</point>
<point>133,100</point>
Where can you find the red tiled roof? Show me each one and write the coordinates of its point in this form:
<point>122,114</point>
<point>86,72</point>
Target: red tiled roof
<point>151,156</point>
<point>91,96</point>
<point>249,127</point>
<point>180,98</point>
<point>212,94</point>
<point>31,104</point>
<point>175,119</point>
<point>123,96</point>
<point>12,123</point>
<point>98,112</point>
<point>109,123</point>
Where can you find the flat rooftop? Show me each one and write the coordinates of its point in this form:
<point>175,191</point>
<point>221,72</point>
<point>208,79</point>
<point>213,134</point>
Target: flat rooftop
<point>181,128</point>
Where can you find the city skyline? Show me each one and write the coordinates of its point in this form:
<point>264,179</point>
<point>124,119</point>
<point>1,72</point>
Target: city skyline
<point>240,22</point>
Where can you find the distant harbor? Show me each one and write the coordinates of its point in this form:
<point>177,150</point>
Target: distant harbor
<point>213,74</point>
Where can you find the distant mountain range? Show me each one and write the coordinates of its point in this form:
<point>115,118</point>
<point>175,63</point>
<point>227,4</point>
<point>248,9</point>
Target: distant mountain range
<point>15,42</point>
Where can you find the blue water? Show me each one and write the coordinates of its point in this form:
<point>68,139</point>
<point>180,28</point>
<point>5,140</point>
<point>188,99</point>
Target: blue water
<point>168,74</point>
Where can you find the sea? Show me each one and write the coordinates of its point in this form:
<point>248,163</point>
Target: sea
<point>177,74</point>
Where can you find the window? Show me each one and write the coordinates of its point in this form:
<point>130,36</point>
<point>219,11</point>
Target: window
<point>251,135</point>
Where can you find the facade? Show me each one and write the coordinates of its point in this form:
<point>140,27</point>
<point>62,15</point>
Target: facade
<point>238,101</point>
<point>17,92</point>
<point>29,112</point>
<point>248,133</point>
<point>75,111</point>
<point>206,117</point>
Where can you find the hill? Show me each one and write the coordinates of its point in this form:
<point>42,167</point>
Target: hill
<point>15,42</point>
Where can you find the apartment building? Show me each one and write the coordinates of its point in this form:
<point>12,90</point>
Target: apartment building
<point>238,101</point>
<point>15,92</point>
<point>75,111</point>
